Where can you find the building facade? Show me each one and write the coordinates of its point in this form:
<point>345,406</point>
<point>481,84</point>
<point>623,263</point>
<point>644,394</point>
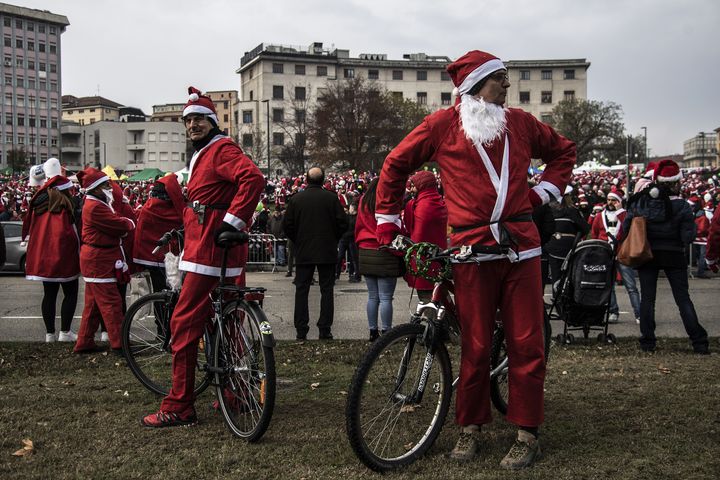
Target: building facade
<point>31,83</point>
<point>87,110</point>
<point>167,112</point>
<point>701,151</point>
<point>226,103</point>
<point>274,79</point>
<point>127,146</point>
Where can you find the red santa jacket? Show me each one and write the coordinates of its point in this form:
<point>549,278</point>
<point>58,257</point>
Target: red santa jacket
<point>102,234</point>
<point>53,249</point>
<point>703,229</point>
<point>229,185</point>
<point>599,228</point>
<point>426,218</point>
<point>713,242</point>
<point>157,217</point>
<point>477,190</point>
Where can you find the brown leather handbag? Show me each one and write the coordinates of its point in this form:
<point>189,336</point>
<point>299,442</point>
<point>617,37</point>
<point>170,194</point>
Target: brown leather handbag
<point>635,250</point>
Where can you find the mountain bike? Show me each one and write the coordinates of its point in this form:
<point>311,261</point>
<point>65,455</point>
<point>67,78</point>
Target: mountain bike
<point>400,394</point>
<point>237,348</point>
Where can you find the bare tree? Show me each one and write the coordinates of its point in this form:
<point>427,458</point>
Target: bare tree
<point>293,124</point>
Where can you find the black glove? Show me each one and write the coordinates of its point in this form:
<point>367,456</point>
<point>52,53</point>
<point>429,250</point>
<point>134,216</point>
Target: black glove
<point>224,227</point>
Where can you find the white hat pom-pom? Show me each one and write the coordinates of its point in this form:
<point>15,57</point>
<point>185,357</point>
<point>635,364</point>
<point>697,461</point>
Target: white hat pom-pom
<point>194,97</point>
<point>455,92</point>
<point>654,192</point>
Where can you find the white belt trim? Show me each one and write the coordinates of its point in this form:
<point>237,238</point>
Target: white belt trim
<point>99,280</point>
<point>148,263</point>
<point>208,269</point>
<point>388,218</point>
<point>51,279</point>
<point>486,257</point>
<point>500,184</point>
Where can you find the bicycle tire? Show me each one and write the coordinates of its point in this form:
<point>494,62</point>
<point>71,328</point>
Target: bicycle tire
<point>247,395</point>
<point>416,428</point>
<point>499,383</point>
<point>145,343</point>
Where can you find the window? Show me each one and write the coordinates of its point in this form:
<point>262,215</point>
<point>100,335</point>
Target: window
<point>53,48</point>
<point>42,67</point>
<point>175,156</point>
<point>546,117</point>
<point>41,28</point>
<point>299,93</point>
<point>21,139</point>
<point>226,117</point>
<point>8,80</point>
<point>278,93</point>
<point>546,97</point>
<point>152,156</point>
<point>42,84</point>
<point>7,22</point>
<point>53,86</point>
<point>524,97</point>
<point>278,139</point>
<point>300,115</point>
<point>52,30</point>
<point>251,95</point>
<point>349,73</point>
<point>546,74</point>
<point>31,65</point>
<point>397,75</point>
<point>299,140</point>
<point>30,27</point>
<point>18,23</point>
<point>19,62</point>
<point>569,74</point>
<point>175,137</point>
<point>43,122</point>
<point>278,68</point>
<point>373,74</point>
<point>53,68</point>
<point>247,140</point>
<point>8,42</point>
<point>397,95</point>
<point>164,156</point>
<point>163,137</point>
<point>20,120</point>
<point>8,119</point>
<point>299,69</point>
<point>31,83</point>
<point>31,122</point>
<point>247,116</point>
<point>422,98</point>
<point>444,76</point>
<point>278,115</point>
<point>8,99</point>
<point>445,98</point>
<point>43,141</point>
<point>321,71</point>
<point>151,137</point>
<point>19,43</point>
<point>421,75</point>
<point>569,94</point>
<point>524,74</point>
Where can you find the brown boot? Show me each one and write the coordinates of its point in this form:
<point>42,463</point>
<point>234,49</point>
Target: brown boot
<point>467,445</point>
<point>524,453</point>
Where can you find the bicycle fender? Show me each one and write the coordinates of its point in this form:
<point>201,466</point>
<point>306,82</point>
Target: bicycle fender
<point>266,334</point>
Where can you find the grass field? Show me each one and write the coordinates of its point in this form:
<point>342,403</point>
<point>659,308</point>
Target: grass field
<point>611,412</point>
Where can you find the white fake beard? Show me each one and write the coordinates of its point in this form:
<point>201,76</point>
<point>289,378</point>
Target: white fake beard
<point>482,122</point>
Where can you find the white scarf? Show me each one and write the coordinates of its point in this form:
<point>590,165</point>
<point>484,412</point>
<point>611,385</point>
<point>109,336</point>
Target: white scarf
<point>482,122</point>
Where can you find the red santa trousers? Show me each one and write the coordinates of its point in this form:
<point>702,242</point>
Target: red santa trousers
<point>516,289</point>
<point>102,302</point>
<point>191,314</point>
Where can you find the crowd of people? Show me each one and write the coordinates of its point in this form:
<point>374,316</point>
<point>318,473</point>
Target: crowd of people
<point>91,226</point>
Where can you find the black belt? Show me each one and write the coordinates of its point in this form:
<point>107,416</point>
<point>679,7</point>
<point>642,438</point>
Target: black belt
<point>524,217</point>
<point>212,206</point>
<point>101,246</point>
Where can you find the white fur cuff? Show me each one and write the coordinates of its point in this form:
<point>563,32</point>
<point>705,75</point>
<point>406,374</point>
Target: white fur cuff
<point>234,221</point>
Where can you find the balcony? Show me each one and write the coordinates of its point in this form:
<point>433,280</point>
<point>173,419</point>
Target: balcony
<point>69,147</point>
<point>134,147</point>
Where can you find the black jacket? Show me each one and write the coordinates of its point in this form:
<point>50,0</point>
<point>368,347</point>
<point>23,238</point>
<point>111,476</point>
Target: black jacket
<point>315,221</point>
<point>670,221</point>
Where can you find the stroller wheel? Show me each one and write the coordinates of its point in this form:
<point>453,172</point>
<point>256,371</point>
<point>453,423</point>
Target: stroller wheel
<point>611,338</point>
<point>601,338</point>
<point>560,339</point>
<point>570,338</point>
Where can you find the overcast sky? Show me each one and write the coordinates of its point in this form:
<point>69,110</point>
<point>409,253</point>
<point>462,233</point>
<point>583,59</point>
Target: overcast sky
<point>659,59</point>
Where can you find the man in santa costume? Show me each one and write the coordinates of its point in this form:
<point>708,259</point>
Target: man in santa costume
<point>223,188</point>
<point>102,261</point>
<point>484,152</point>
<point>605,226</point>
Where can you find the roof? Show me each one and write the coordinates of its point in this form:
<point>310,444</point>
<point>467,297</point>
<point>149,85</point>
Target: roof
<point>35,14</point>
<point>548,63</point>
<point>70,101</point>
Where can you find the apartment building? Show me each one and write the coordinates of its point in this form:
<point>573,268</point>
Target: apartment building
<point>701,150</point>
<point>87,110</point>
<point>167,112</point>
<point>226,105</point>
<point>31,82</point>
<point>273,78</point>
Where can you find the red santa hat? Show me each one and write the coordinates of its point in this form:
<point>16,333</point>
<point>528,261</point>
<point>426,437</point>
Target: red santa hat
<point>616,193</point>
<point>667,171</point>
<point>91,177</point>
<point>597,207</point>
<point>582,199</point>
<point>200,104</point>
<point>693,199</point>
<point>472,67</point>
<point>650,170</point>
<point>423,180</point>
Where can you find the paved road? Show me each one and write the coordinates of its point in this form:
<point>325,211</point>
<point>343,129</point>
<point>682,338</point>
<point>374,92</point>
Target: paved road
<point>20,299</point>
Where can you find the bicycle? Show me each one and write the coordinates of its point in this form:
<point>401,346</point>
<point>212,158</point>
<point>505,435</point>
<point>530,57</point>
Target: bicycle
<point>238,348</point>
<point>392,417</point>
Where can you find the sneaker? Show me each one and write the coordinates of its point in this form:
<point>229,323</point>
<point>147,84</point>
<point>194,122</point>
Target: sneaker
<point>68,336</point>
<point>373,335</point>
<point>289,274</point>
<point>49,338</point>
<point>467,445</point>
<point>524,453</point>
<point>637,320</point>
<point>169,419</point>
<point>613,318</point>
<point>104,337</point>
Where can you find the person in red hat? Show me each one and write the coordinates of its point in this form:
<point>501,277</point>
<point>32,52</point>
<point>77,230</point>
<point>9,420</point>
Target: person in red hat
<point>223,187</point>
<point>484,152</point>
<point>53,251</point>
<point>102,261</point>
<point>160,214</point>
<point>670,227</point>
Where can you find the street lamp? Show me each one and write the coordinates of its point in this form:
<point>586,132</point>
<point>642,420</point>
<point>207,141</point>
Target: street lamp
<point>104,154</point>
<point>267,101</point>
<point>644,129</point>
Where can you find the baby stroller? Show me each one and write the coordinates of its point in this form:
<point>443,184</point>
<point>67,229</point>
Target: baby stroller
<point>581,297</point>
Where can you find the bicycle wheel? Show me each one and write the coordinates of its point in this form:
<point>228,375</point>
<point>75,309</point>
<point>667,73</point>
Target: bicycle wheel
<point>499,392</point>
<point>246,386</point>
<point>388,424</point>
<point>146,343</point>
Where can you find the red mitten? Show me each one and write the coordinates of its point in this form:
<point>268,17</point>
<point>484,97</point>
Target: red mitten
<point>534,198</point>
<point>386,233</point>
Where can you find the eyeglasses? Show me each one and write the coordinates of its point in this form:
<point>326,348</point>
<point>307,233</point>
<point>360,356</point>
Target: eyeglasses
<point>197,118</point>
<point>500,76</point>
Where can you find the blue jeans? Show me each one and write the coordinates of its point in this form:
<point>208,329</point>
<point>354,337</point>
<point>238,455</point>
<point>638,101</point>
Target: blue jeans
<point>628,278</point>
<point>699,254</point>
<point>380,296</point>
<point>280,252</point>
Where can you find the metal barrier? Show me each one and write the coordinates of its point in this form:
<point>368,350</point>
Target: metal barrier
<point>262,249</point>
